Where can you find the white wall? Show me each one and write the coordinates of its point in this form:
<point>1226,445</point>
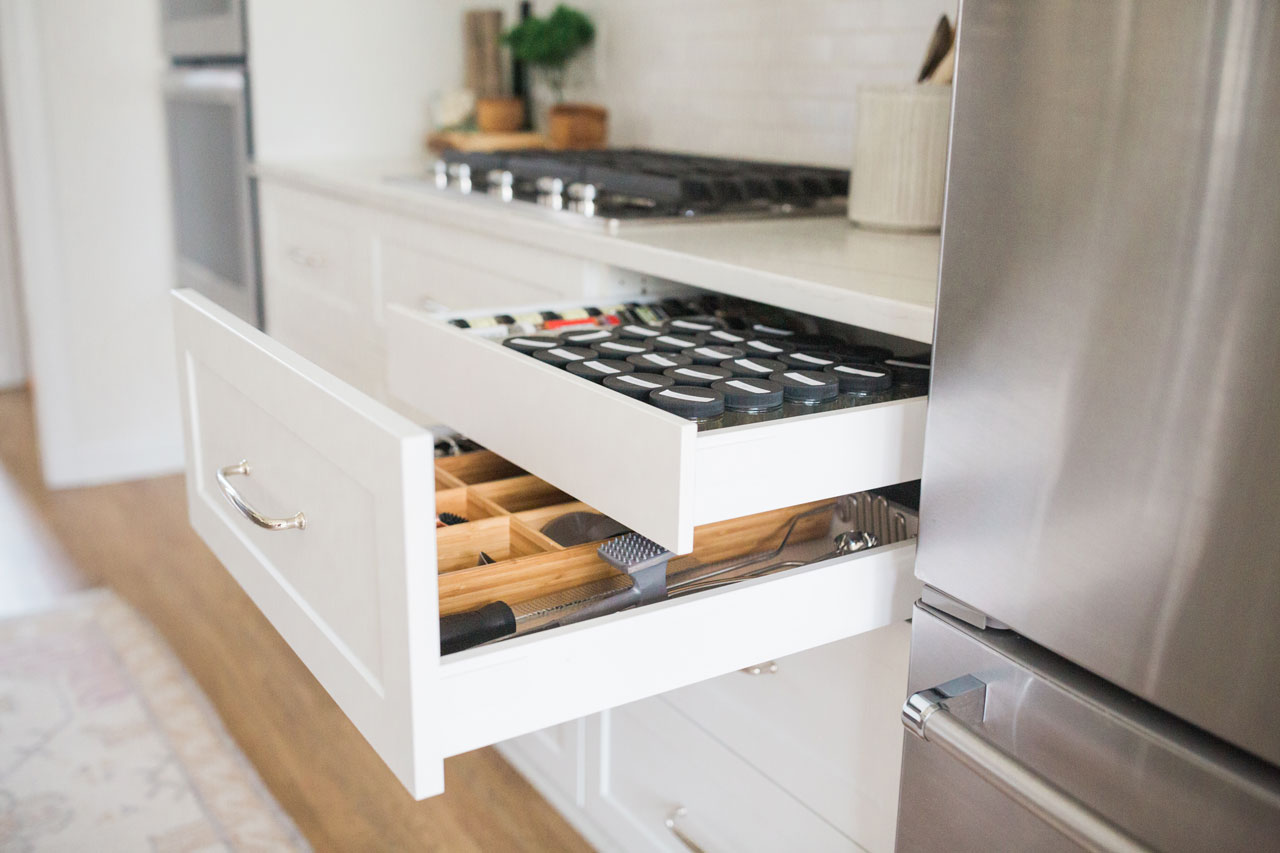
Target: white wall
<point>13,357</point>
<point>772,79</point>
<point>89,170</point>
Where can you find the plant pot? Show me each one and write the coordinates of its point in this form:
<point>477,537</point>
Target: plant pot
<point>499,115</point>
<point>577,126</point>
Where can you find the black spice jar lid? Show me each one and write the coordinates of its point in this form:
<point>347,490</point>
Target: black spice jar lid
<point>713,353</point>
<point>638,385</point>
<point>806,386</point>
<point>816,343</point>
<point>669,342</point>
<point>596,369</point>
<point>863,353</point>
<point>620,350</point>
<point>658,361</point>
<point>764,349</point>
<point>689,402</point>
<point>909,371</point>
<point>748,366</point>
<point>697,374</point>
<point>725,336</point>
<point>587,337</point>
<point>808,360</point>
<point>861,378</point>
<point>749,394</point>
<point>638,331</point>
<point>764,330</point>
<point>560,356</point>
<point>692,325</point>
<point>529,344</point>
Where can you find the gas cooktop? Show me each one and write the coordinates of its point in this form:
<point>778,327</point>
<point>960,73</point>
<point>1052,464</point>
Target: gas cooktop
<point>638,184</point>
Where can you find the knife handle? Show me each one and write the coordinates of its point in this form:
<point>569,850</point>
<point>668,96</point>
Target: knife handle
<point>460,631</point>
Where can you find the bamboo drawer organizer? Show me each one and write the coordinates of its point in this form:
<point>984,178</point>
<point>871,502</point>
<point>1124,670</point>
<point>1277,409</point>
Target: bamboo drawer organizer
<point>506,509</point>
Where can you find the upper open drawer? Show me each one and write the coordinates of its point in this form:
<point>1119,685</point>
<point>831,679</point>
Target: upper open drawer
<point>651,470</point>
<point>350,570</point>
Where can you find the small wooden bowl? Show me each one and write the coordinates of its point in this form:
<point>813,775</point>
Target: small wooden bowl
<point>499,115</point>
<point>577,126</point>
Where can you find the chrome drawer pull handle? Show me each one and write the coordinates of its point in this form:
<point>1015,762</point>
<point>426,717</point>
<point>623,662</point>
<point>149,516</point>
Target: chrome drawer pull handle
<point>766,668</point>
<point>945,716</point>
<point>670,824</point>
<point>295,522</point>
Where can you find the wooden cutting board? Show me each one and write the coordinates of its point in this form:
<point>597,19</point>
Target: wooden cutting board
<point>476,141</point>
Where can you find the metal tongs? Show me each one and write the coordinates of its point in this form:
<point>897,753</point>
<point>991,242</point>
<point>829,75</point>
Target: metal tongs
<point>711,575</point>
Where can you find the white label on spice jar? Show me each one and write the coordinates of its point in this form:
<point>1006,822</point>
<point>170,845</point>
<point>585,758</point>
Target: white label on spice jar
<point>752,365</point>
<point>692,398</point>
<point>689,371</point>
<point>636,380</point>
<point>531,343</point>
<point>601,367</point>
<point>620,346</point>
<point>654,358</point>
<point>712,352</point>
<point>812,359</point>
<point>565,354</point>
<point>680,342</point>
<point>857,371</point>
<point>727,336</point>
<point>770,330</point>
<point>590,336</point>
<point>800,377</point>
<point>689,324</point>
<point>762,346</point>
<point>642,330</point>
<point>896,363</point>
<point>746,386</point>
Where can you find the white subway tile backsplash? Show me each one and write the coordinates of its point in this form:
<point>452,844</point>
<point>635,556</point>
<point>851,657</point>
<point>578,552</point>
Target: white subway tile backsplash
<point>769,79</point>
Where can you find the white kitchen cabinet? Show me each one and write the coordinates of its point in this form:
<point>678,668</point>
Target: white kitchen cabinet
<point>355,591</point>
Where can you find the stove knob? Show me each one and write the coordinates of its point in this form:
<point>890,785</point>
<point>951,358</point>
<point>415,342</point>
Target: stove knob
<point>582,198</point>
<point>461,174</point>
<point>441,170</point>
<point>501,183</point>
<point>550,192</point>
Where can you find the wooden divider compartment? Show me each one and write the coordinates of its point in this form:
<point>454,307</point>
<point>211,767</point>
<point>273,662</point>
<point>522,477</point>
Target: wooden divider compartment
<point>529,564</point>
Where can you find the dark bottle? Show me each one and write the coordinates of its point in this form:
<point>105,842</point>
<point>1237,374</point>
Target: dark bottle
<point>861,384</point>
<point>806,391</point>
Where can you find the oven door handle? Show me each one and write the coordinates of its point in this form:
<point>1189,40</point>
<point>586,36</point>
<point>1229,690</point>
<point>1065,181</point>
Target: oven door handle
<point>945,715</point>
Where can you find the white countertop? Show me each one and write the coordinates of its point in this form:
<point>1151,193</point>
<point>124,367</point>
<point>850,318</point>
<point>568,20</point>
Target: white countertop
<point>818,265</point>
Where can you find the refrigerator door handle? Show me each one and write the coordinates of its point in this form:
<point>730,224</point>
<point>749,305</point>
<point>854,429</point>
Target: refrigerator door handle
<point>945,716</point>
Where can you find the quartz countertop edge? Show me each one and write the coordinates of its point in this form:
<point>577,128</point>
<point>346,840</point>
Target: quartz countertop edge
<point>823,266</point>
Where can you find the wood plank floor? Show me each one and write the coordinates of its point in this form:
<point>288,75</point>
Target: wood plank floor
<point>135,539</point>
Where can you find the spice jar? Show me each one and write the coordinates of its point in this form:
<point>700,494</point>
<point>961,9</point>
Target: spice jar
<point>596,369</point>
<point>560,356</point>
<point>620,349</point>
<point>702,405</point>
<point>692,325</point>
<point>861,384</point>
<point>676,343</point>
<point>586,337</point>
<point>638,331</point>
<point>658,361</point>
<point>724,336</point>
<point>749,400</point>
<point>806,391</point>
<point>697,374</point>
<point>637,385</point>
<point>764,349</point>
<point>910,375</point>
<point>748,366</point>
<point>529,344</point>
<point>713,354</point>
<point>808,360</point>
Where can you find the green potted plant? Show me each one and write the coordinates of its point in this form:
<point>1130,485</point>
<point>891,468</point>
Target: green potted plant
<point>549,44</point>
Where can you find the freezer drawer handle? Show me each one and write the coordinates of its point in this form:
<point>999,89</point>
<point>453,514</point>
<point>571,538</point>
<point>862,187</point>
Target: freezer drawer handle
<point>293,522</point>
<point>944,716</point>
<point>670,823</point>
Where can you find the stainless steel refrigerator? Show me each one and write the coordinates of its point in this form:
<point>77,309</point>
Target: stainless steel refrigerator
<point>1096,660</point>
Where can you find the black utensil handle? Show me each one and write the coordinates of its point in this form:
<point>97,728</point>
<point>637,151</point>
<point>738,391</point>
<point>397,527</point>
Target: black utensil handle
<point>460,631</point>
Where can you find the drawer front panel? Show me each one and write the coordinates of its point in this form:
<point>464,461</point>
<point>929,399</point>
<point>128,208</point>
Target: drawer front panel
<point>824,726</point>
<point>654,763</point>
<point>651,470</point>
<point>353,592</point>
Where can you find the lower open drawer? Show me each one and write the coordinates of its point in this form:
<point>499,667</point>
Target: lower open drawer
<point>351,571</point>
<point>651,470</point>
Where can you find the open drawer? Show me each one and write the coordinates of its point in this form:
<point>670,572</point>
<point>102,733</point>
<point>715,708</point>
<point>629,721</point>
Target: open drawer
<point>349,573</point>
<point>651,470</point>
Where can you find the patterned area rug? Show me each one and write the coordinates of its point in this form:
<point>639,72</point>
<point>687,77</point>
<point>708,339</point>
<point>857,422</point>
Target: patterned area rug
<point>107,744</point>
